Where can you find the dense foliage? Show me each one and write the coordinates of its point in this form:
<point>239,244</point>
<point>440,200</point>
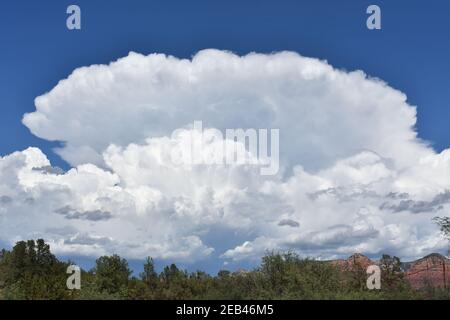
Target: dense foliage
<point>30,271</point>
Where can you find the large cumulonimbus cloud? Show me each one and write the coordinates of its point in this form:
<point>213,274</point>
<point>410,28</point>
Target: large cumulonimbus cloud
<point>354,178</point>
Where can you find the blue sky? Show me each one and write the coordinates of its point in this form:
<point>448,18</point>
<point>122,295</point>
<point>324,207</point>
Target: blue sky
<point>411,52</point>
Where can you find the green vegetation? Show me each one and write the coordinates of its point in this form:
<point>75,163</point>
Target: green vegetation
<point>444,224</point>
<point>30,271</point>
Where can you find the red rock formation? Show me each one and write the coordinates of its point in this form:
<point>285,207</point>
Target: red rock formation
<point>353,262</point>
<point>432,270</point>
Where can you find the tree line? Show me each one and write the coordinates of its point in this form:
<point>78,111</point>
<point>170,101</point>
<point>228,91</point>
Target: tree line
<point>31,271</point>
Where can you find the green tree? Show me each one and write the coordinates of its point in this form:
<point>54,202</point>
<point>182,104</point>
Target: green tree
<point>444,224</point>
<point>111,274</point>
<point>149,276</point>
<point>31,271</point>
<point>392,275</point>
<point>287,276</point>
<point>174,284</point>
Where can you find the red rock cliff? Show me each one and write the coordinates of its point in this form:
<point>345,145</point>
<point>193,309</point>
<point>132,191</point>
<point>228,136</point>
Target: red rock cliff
<point>433,270</point>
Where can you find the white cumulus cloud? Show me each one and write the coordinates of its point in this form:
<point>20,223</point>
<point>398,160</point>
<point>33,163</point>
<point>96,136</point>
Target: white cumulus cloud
<point>354,175</point>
